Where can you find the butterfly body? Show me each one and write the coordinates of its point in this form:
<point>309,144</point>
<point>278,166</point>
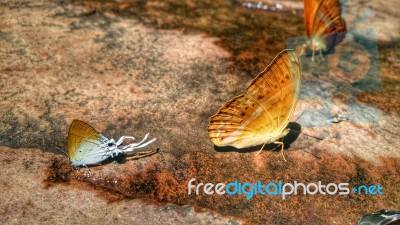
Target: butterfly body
<point>87,147</point>
<point>261,114</point>
<point>318,43</point>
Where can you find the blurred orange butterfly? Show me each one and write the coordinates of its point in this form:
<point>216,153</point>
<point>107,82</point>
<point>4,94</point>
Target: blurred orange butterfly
<point>261,114</point>
<point>323,24</point>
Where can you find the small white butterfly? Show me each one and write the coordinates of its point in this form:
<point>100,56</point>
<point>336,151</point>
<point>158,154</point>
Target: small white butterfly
<point>86,146</point>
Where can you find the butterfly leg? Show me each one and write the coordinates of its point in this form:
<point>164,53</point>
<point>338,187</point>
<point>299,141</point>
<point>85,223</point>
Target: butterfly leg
<point>276,142</point>
<point>261,149</point>
<point>320,55</point>
<point>313,53</point>
<point>115,152</point>
<point>88,169</point>
<point>281,143</point>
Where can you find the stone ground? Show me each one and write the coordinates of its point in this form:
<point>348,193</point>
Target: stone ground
<point>129,68</point>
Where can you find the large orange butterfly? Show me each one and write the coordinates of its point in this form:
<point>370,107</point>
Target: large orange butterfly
<point>324,24</point>
<point>261,114</point>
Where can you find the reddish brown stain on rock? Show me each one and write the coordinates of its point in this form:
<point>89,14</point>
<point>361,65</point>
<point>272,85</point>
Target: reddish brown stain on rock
<point>162,185</point>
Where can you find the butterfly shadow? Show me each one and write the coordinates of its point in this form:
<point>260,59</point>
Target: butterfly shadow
<point>294,132</point>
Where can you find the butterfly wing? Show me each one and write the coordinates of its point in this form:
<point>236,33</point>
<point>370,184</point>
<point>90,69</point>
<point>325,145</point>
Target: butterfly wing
<point>238,123</point>
<point>310,10</point>
<point>84,144</point>
<point>261,114</point>
<point>327,19</point>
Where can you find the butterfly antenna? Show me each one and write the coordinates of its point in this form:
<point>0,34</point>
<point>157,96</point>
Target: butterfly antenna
<point>64,153</point>
<point>299,117</point>
<point>318,138</point>
<point>139,155</point>
<point>69,159</point>
<point>300,132</point>
<point>58,149</point>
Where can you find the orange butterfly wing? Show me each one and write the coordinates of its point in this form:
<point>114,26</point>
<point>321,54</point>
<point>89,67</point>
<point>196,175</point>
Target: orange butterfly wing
<point>261,114</point>
<point>82,135</point>
<point>323,17</point>
<point>310,10</point>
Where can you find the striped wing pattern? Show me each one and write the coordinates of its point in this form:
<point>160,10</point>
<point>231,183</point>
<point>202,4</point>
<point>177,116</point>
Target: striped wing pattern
<point>261,114</point>
<point>323,17</point>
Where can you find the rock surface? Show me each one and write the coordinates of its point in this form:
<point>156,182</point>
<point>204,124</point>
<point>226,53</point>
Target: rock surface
<point>26,198</point>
